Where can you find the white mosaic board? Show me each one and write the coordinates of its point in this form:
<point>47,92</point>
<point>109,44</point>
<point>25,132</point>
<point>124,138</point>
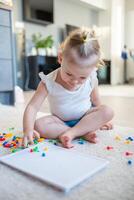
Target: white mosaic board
<point>62,168</point>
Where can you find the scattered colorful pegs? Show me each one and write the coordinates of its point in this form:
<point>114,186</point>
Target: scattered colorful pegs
<point>128,153</point>
<point>109,147</point>
<point>118,138</point>
<point>130,139</point>
<point>81,142</point>
<point>43,154</point>
<point>129,162</point>
<point>127,142</point>
<point>46,149</point>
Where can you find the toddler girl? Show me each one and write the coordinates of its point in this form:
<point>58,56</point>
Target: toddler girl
<point>72,92</point>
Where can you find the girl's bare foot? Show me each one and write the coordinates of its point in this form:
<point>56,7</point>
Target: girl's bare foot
<point>66,141</point>
<point>91,137</point>
<point>107,126</point>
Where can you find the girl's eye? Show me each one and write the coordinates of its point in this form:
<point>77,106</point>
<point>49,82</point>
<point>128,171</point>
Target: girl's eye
<point>83,78</point>
<point>69,74</point>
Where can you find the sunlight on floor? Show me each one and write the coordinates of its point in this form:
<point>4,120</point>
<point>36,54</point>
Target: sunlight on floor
<point>118,91</point>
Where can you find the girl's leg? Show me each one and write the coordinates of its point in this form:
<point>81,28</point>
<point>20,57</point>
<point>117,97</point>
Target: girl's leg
<point>91,136</point>
<point>50,127</point>
<point>88,124</point>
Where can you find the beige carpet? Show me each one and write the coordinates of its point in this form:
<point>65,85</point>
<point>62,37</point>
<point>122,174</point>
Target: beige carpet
<point>116,182</point>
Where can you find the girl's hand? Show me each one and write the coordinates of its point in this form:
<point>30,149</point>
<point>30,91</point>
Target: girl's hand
<point>107,126</point>
<point>28,137</point>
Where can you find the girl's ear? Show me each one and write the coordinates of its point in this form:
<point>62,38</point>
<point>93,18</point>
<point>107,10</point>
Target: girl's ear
<point>59,57</point>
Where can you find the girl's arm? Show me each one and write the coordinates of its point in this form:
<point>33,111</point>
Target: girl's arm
<point>95,96</point>
<point>95,99</point>
<point>31,111</point>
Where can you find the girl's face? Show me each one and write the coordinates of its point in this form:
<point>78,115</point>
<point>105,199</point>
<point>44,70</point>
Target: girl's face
<point>75,74</point>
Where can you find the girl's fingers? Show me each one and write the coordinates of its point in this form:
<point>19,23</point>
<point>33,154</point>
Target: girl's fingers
<point>103,127</point>
<point>24,141</point>
<point>36,134</point>
<point>20,143</point>
<point>110,126</point>
<point>30,137</point>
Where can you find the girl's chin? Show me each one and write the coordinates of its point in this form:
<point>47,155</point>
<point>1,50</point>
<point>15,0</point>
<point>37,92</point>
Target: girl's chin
<point>73,87</point>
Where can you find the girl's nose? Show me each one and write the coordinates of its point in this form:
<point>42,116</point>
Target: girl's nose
<point>75,81</point>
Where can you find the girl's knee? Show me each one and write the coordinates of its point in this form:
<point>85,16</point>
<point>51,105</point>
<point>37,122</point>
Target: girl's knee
<point>37,125</point>
<point>43,121</point>
<point>107,112</point>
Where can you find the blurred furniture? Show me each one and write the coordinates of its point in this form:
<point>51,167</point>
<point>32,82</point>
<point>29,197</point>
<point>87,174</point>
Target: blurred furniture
<point>20,42</point>
<point>104,74</point>
<point>6,56</point>
<point>36,64</point>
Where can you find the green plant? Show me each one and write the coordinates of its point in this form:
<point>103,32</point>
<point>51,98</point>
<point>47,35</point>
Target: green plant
<point>40,42</point>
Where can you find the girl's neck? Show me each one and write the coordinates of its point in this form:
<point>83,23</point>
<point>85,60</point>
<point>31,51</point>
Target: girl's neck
<point>60,81</point>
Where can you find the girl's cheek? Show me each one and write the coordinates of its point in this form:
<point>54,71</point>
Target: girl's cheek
<point>64,77</point>
<point>82,81</point>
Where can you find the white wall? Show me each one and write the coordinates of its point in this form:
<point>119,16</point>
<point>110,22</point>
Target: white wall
<point>65,12</point>
<point>101,4</point>
<point>117,40</point>
<point>70,12</point>
<point>105,34</point>
<point>111,23</point>
<point>129,35</point>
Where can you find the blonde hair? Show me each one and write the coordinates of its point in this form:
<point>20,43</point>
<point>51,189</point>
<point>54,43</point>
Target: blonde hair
<point>84,41</point>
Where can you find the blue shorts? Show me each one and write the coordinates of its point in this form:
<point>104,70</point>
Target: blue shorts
<point>72,123</point>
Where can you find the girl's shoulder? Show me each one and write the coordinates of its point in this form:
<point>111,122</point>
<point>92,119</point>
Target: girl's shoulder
<point>93,78</point>
<point>94,73</point>
<point>51,76</point>
<point>48,79</point>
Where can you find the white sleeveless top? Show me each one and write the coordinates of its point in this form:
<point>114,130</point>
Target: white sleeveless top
<point>68,105</point>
